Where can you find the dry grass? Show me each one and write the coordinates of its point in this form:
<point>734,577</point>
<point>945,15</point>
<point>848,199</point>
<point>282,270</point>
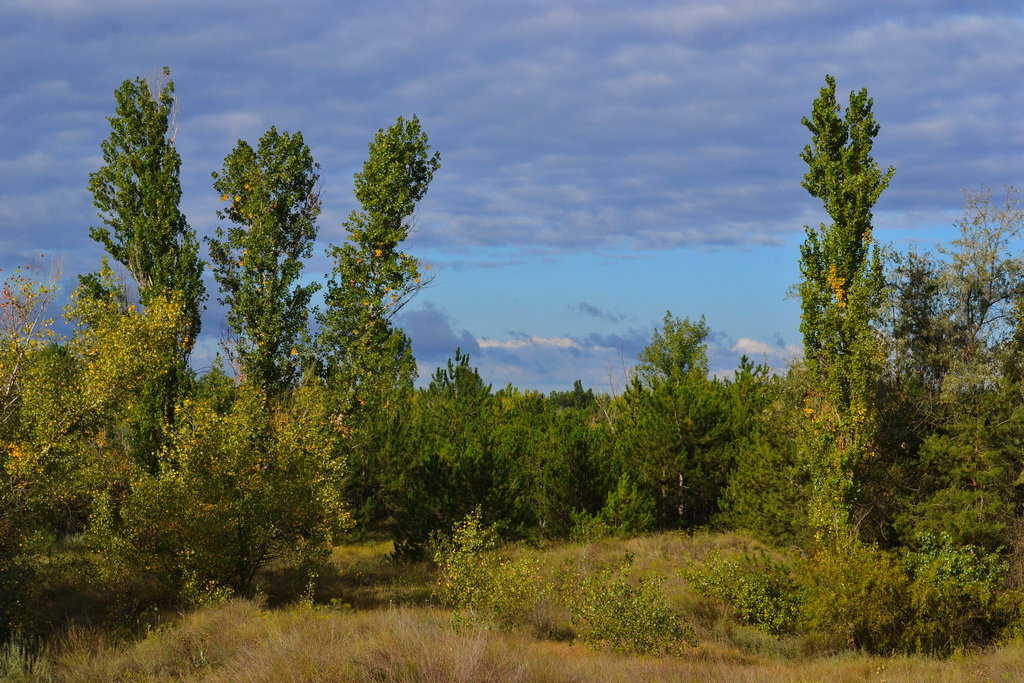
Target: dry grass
<point>392,635</point>
<point>240,641</point>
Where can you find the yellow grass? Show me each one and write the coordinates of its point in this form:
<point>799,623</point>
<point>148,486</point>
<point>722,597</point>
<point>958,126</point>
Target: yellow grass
<point>240,641</point>
<point>374,623</point>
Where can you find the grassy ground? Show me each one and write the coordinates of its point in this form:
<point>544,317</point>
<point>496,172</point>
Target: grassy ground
<point>371,619</point>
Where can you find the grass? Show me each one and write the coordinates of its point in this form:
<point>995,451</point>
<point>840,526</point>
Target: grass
<point>241,641</point>
<point>372,620</point>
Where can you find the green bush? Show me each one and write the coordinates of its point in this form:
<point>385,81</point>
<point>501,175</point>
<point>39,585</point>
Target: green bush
<point>854,596</point>
<point>480,584</point>
<point>610,611</point>
<point>956,596</point>
<point>759,590</point>
<point>587,528</point>
<point>629,510</point>
<point>232,493</point>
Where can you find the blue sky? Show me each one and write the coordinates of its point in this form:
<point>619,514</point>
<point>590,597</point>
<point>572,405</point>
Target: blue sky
<point>602,162</point>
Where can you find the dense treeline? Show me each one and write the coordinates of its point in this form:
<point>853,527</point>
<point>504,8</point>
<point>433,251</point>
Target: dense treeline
<point>892,457</point>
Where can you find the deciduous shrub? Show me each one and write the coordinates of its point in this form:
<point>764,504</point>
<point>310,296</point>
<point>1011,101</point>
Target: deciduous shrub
<point>760,591</point>
<point>855,596</point>
<point>482,585</point>
<point>234,492</point>
<point>956,596</point>
<point>608,610</point>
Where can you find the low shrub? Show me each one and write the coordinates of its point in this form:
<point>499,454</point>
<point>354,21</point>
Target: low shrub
<point>610,611</point>
<point>956,596</point>
<point>482,585</point>
<point>760,591</point>
<point>854,597</point>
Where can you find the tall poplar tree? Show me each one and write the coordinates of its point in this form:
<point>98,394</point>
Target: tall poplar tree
<point>841,292</point>
<point>273,200</point>
<point>138,192</point>
<point>372,277</point>
<point>364,358</point>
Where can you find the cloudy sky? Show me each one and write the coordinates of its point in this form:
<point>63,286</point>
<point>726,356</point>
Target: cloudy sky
<point>602,161</point>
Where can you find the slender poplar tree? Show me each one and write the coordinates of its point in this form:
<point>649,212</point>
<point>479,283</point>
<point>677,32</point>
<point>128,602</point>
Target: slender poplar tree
<point>372,277</point>
<point>841,293</point>
<point>364,358</point>
<point>272,198</point>
<point>138,192</point>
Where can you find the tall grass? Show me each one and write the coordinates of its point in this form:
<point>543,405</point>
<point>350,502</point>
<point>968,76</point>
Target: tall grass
<point>371,624</point>
<point>240,641</point>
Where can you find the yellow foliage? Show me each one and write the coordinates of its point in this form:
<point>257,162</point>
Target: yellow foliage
<point>838,285</point>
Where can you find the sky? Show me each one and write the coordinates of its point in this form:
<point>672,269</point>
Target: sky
<point>603,162</point>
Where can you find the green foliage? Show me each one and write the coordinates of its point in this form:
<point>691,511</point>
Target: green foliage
<point>481,584</point>
<point>954,312</point>
<point>953,419</point>
<point>854,597</point>
<point>74,393</point>
<point>57,451</point>
<point>761,591</point>
<point>372,278</point>
<point>459,455</point>
<point>841,293</point>
<point>766,489</point>
<point>272,199</point>
<point>567,466</point>
<point>957,596</point>
<point>25,329</point>
<point>587,527</point>
<point>609,610</point>
<point>138,193</point>
<point>677,351</point>
<point>966,486</point>
<point>235,491</point>
<point>365,359</point>
<point>675,441</point>
<point>629,510</point>
<point>198,484</point>
<point>766,492</point>
<point>25,332</point>
<point>576,398</point>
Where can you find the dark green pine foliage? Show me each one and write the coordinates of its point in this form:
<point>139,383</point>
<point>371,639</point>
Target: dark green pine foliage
<point>272,199</point>
<point>138,193</point>
<point>458,457</point>
<point>672,441</point>
<point>570,467</point>
<point>766,489</point>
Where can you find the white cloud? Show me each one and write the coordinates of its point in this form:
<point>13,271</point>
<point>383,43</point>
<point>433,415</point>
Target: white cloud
<point>751,346</point>
<point>531,342</point>
<point>774,353</point>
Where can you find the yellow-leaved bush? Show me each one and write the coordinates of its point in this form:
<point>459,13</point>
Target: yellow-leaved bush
<point>235,490</point>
